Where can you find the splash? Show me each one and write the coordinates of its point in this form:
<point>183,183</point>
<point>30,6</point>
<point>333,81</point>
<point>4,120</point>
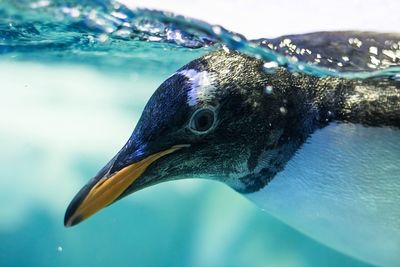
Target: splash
<point>96,26</point>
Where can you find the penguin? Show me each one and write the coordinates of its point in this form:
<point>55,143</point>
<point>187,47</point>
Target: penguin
<point>322,154</point>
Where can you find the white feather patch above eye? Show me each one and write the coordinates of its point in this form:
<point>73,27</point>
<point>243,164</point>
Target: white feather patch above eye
<point>202,88</point>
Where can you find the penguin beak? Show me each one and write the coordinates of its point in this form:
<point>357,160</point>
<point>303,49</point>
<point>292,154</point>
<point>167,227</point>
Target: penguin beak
<point>106,188</point>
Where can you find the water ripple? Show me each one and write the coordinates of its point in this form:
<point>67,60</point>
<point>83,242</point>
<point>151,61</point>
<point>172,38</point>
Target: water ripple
<point>93,25</point>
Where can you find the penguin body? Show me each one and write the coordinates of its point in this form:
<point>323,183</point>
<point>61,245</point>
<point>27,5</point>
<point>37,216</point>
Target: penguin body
<point>342,188</point>
<point>322,154</point>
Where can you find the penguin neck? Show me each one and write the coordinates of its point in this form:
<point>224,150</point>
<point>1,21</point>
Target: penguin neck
<point>313,103</point>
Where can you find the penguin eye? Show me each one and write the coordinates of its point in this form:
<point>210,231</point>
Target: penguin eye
<point>202,120</point>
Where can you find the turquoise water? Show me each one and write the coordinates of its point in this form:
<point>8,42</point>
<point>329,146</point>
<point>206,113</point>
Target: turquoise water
<point>74,80</point>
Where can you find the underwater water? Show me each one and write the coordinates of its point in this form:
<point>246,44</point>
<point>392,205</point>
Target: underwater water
<point>74,78</point>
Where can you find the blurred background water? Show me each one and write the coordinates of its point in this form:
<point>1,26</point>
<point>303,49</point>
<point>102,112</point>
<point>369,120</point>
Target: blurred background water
<point>74,78</point>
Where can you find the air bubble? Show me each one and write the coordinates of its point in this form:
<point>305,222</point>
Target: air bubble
<point>119,15</point>
<point>237,38</point>
<point>123,33</point>
<point>270,67</point>
<point>217,30</point>
<point>74,12</point>
<point>102,38</point>
<point>226,49</point>
<point>155,39</point>
<point>42,3</point>
<point>269,89</point>
<point>281,60</point>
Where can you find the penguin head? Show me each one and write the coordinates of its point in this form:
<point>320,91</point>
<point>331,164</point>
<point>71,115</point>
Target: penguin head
<point>210,119</point>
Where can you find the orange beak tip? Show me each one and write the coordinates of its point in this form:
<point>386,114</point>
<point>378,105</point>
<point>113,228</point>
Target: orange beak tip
<point>106,190</point>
